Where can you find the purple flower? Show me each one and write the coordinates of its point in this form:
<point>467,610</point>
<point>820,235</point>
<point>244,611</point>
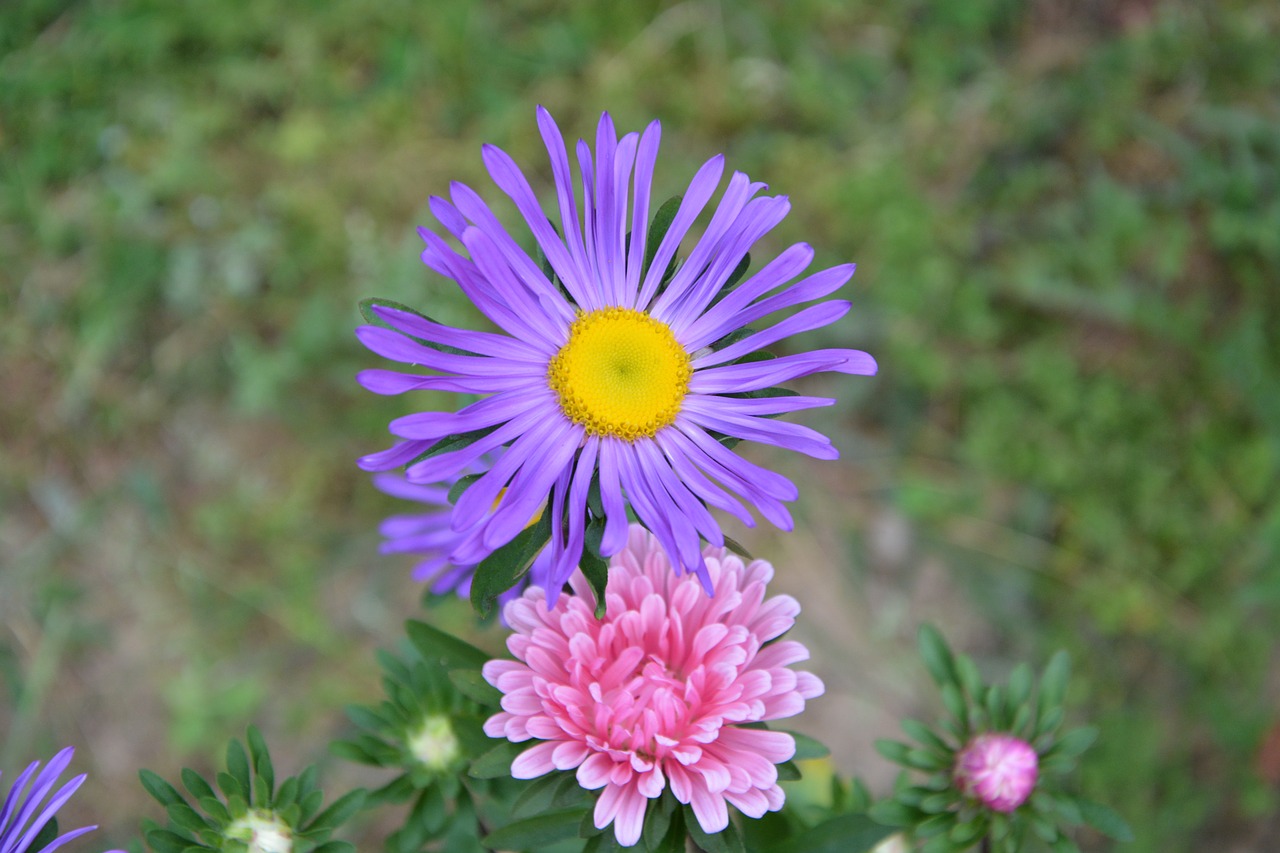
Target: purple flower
<point>19,822</point>
<point>997,770</point>
<point>610,370</point>
<point>429,536</point>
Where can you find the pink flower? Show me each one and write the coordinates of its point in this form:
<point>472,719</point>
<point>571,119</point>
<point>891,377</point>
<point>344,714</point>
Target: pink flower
<point>998,770</point>
<point>652,694</point>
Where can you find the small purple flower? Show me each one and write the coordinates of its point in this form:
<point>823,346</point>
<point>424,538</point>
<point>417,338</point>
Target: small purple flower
<point>18,829</point>
<point>611,370</point>
<point>428,535</point>
<point>997,770</point>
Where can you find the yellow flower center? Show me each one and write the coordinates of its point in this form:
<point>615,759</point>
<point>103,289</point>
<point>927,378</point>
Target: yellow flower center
<point>622,373</point>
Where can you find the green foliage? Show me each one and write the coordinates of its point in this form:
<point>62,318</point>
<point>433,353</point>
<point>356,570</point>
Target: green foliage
<point>250,806</point>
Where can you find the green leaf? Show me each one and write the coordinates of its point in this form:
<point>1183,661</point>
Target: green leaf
<point>504,567</point>
<point>846,833</point>
<point>956,705</point>
<point>164,841</point>
<point>536,831</point>
<point>444,649</point>
<point>788,772</point>
<point>464,483</point>
<point>807,747</point>
<point>456,441</point>
<point>895,751</point>
<point>238,768</point>
<point>893,813</point>
<point>537,795</point>
<point>157,787</point>
<point>936,655</point>
<point>187,818</point>
<point>263,772</point>
<point>471,683</point>
<point>339,812</point>
<point>1074,742</point>
<point>738,548</point>
<point>196,785</point>
<point>1053,684</point>
<point>657,230</point>
<point>923,734</point>
<point>496,763</point>
<point>44,837</point>
<point>970,678</point>
<point>1105,819</point>
<point>596,571</point>
<point>727,840</point>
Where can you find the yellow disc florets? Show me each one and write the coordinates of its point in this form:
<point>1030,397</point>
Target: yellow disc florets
<point>622,373</point>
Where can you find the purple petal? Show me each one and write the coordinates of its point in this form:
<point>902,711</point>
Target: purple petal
<point>704,183</point>
<point>393,457</point>
<point>813,317</point>
<point>646,157</point>
<point>755,375</point>
<point>572,226</point>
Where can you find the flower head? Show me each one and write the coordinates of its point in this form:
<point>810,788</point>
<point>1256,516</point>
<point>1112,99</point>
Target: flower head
<point>654,694</point>
<point>997,770</point>
<point>614,364</point>
<point>20,824</point>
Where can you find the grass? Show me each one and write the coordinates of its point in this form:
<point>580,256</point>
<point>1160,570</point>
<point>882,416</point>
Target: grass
<point>1067,224</point>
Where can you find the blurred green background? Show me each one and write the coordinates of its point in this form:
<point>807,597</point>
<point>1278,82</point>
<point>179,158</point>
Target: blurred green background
<point>1066,217</point>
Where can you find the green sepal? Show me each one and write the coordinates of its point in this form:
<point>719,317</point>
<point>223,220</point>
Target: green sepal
<point>925,735</point>
<point>182,815</point>
<point>238,771</point>
<point>895,751</point>
<point>502,569</point>
<point>894,813</point>
<point>45,836</point>
<point>1053,683</point>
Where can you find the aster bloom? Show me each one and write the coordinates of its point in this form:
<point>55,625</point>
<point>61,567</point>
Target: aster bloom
<point>615,367</point>
<point>429,536</point>
<point>655,692</point>
<point>20,825</point>
<point>997,770</point>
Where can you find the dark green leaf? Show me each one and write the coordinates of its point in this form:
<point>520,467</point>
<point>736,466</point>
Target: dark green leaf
<point>807,747</point>
<point>238,767</point>
<point>893,750</point>
<point>471,683</point>
<point>457,441</point>
<point>737,548</point>
<point>1074,742</point>
<point>196,784</point>
<point>339,812</point>
<point>464,483</point>
<point>936,655</point>
<point>846,833</point>
<point>444,649</point>
<point>658,229</point>
<point>157,787</point>
<point>1105,819</point>
<point>728,840</point>
<point>788,772</point>
<point>536,831</point>
<point>496,763</point>
<point>504,567</point>
<point>164,841</point>
<point>596,572</point>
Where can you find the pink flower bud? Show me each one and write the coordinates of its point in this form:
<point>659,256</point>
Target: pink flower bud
<point>997,770</point>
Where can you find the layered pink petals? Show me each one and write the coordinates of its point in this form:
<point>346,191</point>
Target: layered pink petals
<point>652,695</point>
